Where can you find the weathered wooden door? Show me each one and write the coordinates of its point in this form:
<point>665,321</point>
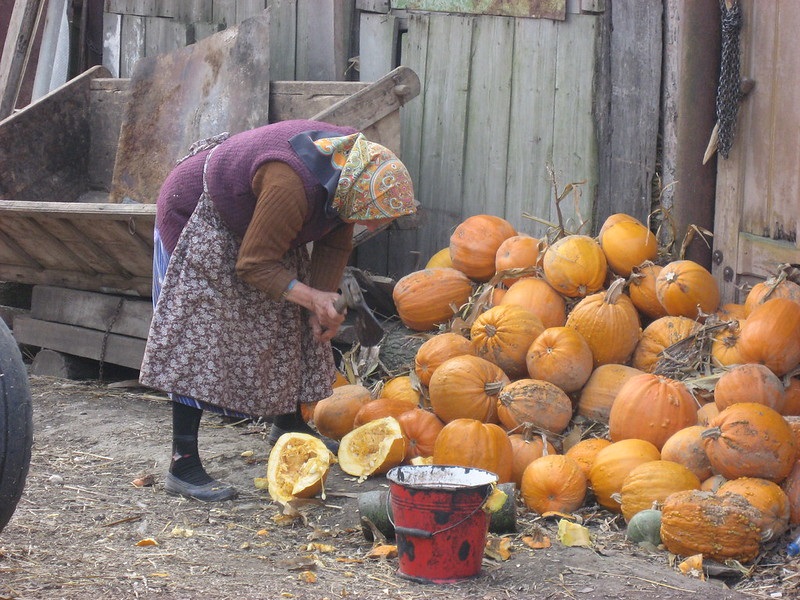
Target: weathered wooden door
<point>758,185</point>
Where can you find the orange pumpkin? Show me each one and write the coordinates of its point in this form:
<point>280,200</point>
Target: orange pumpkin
<point>651,407</point>
<point>503,334</point>
<point>335,415</point>
<point>627,243</point>
<point>553,483</point>
<point>474,244</point>
<point>791,487</point>
<point>731,311</point>
<point>685,447</point>
<point>771,335</point>
<point>381,407</point>
<point>402,387</point>
<point>536,403</point>
<point>642,290</point>
<point>750,440</point>
<point>540,298</point>
<point>774,287</point>
<point>430,297</point>
<point>767,496</point>
<point>750,382</point>
<point>561,356</point>
<point>585,451</point>
<point>609,323</point>
<point>725,344</point>
<point>686,288</point>
<point>597,396</point>
<point>466,387</point>
<point>652,482</point>
<point>706,413</point>
<point>613,464</point>
<point>575,265</point>
<point>658,336</point>
<point>527,447</point>
<point>713,483</point>
<point>519,252</point>
<point>791,404</point>
<point>420,429</point>
<point>471,443</point>
<point>440,259</point>
<point>437,349</point>
<point>718,527</point>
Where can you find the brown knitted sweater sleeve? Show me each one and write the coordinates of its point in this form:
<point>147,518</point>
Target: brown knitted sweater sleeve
<point>280,211</point>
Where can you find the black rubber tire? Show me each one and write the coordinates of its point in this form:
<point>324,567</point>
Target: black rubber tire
<point>16,425</point>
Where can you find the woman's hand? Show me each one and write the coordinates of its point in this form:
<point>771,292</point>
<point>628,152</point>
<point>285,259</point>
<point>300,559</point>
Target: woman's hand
<point>325,319</point>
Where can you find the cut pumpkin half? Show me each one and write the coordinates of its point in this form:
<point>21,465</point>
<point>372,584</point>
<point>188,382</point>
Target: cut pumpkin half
<point>373,448</point>
<point>297,467</point>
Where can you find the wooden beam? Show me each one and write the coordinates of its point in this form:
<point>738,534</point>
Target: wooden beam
<point>16,51</point>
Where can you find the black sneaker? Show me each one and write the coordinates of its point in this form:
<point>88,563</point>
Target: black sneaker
<point>214,491</point>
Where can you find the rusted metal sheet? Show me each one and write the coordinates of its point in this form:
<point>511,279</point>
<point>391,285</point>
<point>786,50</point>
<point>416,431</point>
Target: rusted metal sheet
<point>219,84</point>
<point>538,9</point>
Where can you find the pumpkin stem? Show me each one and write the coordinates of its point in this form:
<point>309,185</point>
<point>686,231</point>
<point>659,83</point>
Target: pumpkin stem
<point>493,388</point>
<point>711,433</point>
<point>614,291</point>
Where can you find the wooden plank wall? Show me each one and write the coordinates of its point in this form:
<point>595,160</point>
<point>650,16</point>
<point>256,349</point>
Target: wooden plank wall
<point>302,35</point>
<point>502,98</point>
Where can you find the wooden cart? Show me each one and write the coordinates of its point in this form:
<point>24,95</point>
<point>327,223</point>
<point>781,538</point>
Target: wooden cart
<point>80,170</point>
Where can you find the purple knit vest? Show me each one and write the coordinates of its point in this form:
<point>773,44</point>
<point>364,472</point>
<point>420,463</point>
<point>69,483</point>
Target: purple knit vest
<point>229,176</point>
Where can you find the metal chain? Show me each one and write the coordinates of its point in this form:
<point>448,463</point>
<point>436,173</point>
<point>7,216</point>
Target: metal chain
<point>107,332</point>
<point>728,92</point>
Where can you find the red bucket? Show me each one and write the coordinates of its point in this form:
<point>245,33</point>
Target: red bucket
<point>439,521</point>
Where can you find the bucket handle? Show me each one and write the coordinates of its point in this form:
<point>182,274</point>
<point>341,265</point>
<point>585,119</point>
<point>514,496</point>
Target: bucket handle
<point>422,533</point>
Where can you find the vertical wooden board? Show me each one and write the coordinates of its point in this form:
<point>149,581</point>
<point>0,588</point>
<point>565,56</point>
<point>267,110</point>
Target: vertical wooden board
<point>574,137</point>
<point>193,11</point>
<point>782,211</point>
<point>488,110</point>
<point>315,24</point>
<point>249,8</point>
<point>414,56</point>
<point>758,36</point>
<point>106,105</point>
<point>530,138</point>
<point>112,42</point>
<point>283,40</point>
<point>377,45</point>
<point>224,12</point>
<point>131,43</point>
<point>164,35</point>
<point>444,128</point>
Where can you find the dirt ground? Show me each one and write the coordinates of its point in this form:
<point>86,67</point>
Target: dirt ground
<point>80,526</point>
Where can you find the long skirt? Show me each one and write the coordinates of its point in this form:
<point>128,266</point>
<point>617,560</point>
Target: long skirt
<point>225,343</point>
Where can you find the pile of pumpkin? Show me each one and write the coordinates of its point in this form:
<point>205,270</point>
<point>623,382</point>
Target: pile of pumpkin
<point>529,340</point>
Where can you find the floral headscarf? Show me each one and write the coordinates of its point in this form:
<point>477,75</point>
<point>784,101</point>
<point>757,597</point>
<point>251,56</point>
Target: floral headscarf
<point>365,180</point>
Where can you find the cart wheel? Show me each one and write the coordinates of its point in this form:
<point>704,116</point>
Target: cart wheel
<point>16,425</point>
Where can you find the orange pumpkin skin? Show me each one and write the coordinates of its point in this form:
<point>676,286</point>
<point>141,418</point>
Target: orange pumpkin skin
<point>725,344</point>
<point>381,407</point>
<point>683,286</point>
<point>575,266</point>
<point>718,527</point>
<point>517,252</point>
<point>773,287</point>
<point>530,402</point>
<point>791,487</point>
<point>503,334</point>
<point>686,447</point>
<point>585,451</point>
<point>627,244</point>
<point>771,335</point>
<point>657,336</point>
<point>553,483</point>
<point>434,351</point>
<point>713,483</point>
<point>598,395</point>
<point>767,496</point>
<point>425,299</point>
<point>402,388</point>
<point>750,440</point>
<point>561,356</point>
<point>791,404</point>
<point>527,448</point>
<point>466,387</point>
<point>420,429</point>
<point>642,290</point>
<point>652,408</point>
<point>471,443</point>
<point>609,322</point>
<point>750,382</point>
<point>335,415</point>
<point>613,463</point>
<point>474,245</point>
<point>731,311</point>
<point>440,259</point>
<point>540,298</point>
<point>652,482</point>
<point>706,413</point>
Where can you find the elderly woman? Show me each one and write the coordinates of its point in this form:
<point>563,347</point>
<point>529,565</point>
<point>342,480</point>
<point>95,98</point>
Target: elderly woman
<point>244,313</point>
